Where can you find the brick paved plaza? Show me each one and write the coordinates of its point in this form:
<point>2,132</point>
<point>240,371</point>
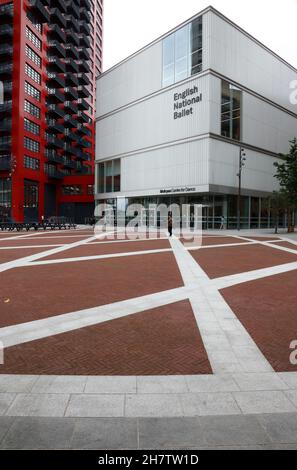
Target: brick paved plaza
<point>118,343</point>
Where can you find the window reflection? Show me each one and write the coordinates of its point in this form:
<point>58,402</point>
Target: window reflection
<point>231,111</point>
<point>182,53</point>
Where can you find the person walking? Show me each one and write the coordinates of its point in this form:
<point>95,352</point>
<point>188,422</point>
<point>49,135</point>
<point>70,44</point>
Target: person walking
<point>170,224</point>
<point>222,222</point>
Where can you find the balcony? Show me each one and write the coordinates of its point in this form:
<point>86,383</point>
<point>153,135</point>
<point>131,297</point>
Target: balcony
<point>83,143</point>
<point>72,38</point>
<point>84,28</point>
<point>53,173</point>
<point>57,17</point>
<point>39,11</point>
<point>56,33</point>
<point>82,117</point>
<point>68,163</point>
<point>54,142</point>
<point>83,79</point>
<point>60,4</point>
<point>55,64</point>
<point>5,126</point>
<point>71,66</point>
<point>52,156</point>
<point>69,135</point>
<point>84,41</point>
<point>69,105</point>
<point>55,96</point>
<point>69,121</point>
<point>6,30</point>
<point>86,4</point>
<point>72,8</point>
<point>84,14</point>
<point>71,80</point>
<point>5,69</point>
<point>6,12</point>
<point>56,111</point>
<point>81,129</point>
<point>82,169</point>
<point>72,23</point>
<point>83,53</point>
<point>55,80</point>
<point>82,104</point>
<point>71,93</point>
<point>57,49</point>
<point>54,127</point>
<point>83,92</point>
<point>5,162</point>
<point>5,144</point>
<point>6,107</point>
<point>83,66</point>
<point>7,88</point>
<point>71,51</point>
<point>83,156</point>
<point>69,150</point>
<point>6,50</point>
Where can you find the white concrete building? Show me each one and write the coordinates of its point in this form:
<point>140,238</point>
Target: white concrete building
<point>171,120</point>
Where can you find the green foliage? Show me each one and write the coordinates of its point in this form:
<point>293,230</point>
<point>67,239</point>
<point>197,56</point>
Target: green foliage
<point>286,173</point>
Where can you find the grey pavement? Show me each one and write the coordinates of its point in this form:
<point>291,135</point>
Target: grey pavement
<point>265,431</point>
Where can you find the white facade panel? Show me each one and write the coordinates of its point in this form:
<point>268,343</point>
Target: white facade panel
<point>266,126</point>
<point>139,76</point>
<point>236,56</point>
<point>257,174</point>
<point>170,167</point>
<point>151,122</point>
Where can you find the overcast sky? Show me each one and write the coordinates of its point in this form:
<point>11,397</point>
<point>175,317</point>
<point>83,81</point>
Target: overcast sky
<point>131,24</point>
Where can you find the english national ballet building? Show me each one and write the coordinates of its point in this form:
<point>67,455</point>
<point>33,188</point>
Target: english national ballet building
<point>175,118</point>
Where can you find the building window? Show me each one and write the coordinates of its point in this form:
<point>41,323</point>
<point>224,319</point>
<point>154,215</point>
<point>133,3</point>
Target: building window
<point>31,145</point>
<point>31,109</point>
<point>30,126</point>
<point>30,193</point>
<point>33,38</point>
<point>31,163</point>
<point>73,190</point>
<point>36,77</point>
<point>109,174</point>
<point>231,111</point>
<point>5,193</point>
<point>33,56</point>
<point>32,91</point>
<point>182,53</point>
<point>90,189</point>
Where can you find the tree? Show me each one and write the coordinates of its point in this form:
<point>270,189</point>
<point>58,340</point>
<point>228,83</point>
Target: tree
<point>286,173</point>
<point>278,204</point>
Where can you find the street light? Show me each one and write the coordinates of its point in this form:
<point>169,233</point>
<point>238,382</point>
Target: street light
<point>242,159</point>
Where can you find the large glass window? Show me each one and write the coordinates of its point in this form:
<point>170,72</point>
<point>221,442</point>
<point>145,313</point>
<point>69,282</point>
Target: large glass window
<point>30,193</point>
<point>231,111</point>
<point>5,193</point>
<point>109,176</point>
<point>182,53</point>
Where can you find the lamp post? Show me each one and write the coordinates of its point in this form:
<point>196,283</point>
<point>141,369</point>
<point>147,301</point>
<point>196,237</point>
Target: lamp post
<point>242,159</point>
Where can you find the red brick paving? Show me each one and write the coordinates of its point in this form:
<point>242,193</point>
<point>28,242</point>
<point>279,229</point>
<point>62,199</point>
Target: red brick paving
<point>218,262</point>
<point>213,240</point>
<point>268,310</point>
<point>163,341</point>
<point>11,255</point>
<point>43,291</point>
<point>109,248</point>
<point>38,241</point>
<point>286,245</point>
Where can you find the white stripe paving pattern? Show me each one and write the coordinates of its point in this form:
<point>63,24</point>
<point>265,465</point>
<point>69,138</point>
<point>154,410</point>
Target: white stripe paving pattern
<point>243,381</point>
